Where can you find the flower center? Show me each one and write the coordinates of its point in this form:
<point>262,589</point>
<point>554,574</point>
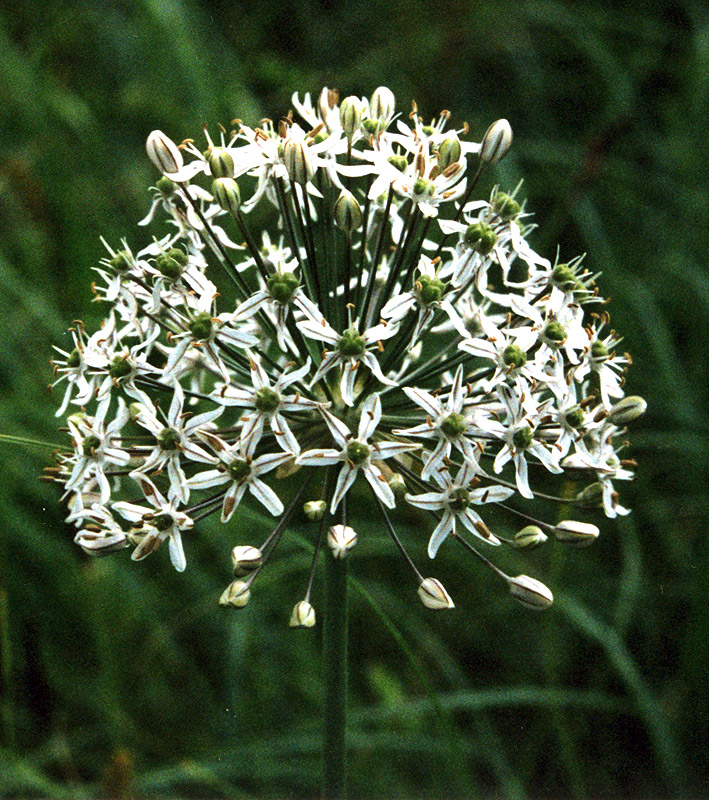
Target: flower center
<point>351,343</point>
<point>453,426</point>
<point>266,400</point>
<point>239,469</point>
<point>514,356</point>
<point>74,358</point>
<point>399,162</point>
<point>574,417</point>
<point>505,206</point>
<point>481,237</point>
<point>357,452</point>
<point>90,444</point>
<point>563,276</point>
<point>282,287</point>
<point>459,499</point>
<point>429,290</point>
<point>555,333</point>
<point>201,326</point>
<point>120,368</point>
<point>168,439</point>
<point>172,263</point>
<point>522,438</point>
<point>163,522</point>
<point>599,351</point>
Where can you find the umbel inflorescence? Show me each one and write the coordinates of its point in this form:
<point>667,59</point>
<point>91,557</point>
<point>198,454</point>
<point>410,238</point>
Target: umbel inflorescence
<point>387,328</point>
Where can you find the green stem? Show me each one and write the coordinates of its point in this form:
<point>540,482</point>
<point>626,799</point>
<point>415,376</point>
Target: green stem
<point>335,670</point>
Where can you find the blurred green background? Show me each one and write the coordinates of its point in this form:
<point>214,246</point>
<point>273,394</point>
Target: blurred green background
<point>122,680</point>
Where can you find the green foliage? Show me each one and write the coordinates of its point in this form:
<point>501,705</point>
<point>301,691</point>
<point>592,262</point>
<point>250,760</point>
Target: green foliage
<point>121,677</point>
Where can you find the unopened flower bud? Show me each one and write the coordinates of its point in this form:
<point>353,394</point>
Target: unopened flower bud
<point>591,497</point>
<point>303,615</point>
<point>530,592</point>
<point>245,559</point>
<point>496,142</point>
<point>382,104</point>
<point>236,594</point>
<point>449,151</point>
<point>348,215</point>
<point>99,543</point>
<point>529,537</point>
<point>226,193</point>
<point>221,163</point>
<point>315,510</point>
<point>297,161</point>
<point>341,539</point>
<point>350,115</point>
<point>163,152</point>
<point>397,484</point>
<point>627,410</point>
<point>577,534</point>
<point>433,595</point>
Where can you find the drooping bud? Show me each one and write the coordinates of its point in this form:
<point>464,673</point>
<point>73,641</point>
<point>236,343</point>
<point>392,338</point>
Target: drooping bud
<point>531,593</point>
<point>100,543</point>
<point>449,151</point>
<point>236,594</point>
<point>397,484</point>
<point>496,142</point>
<point>529,537</point>
<point>577,534</point>
<point>591,497</point>
<point>245,559</point>
<point>350,115</point>
<point>315,510</point>
<point>348,215</point>
<point>303,615</point>
<point>627,410</point>
<point>226,193</point>
<point>163,152</point>
<point>382,104</point>
<point>433,595</point>
<point>341,539</point>
<point>221,163</point>
<point>297,161</point>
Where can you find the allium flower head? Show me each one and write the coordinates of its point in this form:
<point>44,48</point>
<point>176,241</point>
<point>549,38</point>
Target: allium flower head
<point>392,333</point>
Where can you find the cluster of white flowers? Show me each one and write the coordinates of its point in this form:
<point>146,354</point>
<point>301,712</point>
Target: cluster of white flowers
<point>386,325</point>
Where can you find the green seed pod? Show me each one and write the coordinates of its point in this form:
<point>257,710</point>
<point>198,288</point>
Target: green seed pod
<point>431,290</point>
<point>481,237</point>
<point>449,151</point>
<point>348,215</point>
<point>400,162</point>
<point>172,263</point>
<point>121,262</point>
<point>226,193</point>
<point>282,286</point>
<point>564,277</point>
<point>555,334</point>
<point>505,206</point>
<point>358,452</point>
<point>166,187</point>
